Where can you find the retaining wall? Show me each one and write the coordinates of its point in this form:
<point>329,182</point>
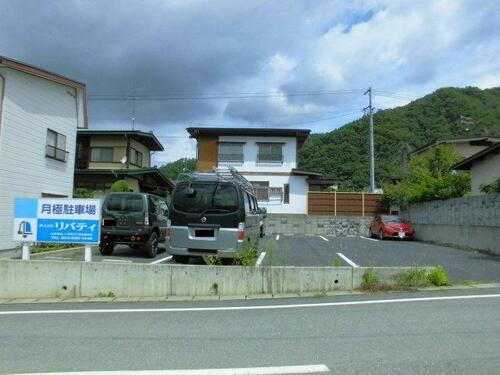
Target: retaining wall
<point>60,279</point>
<point>472,222</point>
<point>338,226</point>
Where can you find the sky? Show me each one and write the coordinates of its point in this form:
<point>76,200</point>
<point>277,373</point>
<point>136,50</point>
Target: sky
<point>252,63</point>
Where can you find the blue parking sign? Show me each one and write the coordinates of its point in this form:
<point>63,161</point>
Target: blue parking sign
<point>57,220</point>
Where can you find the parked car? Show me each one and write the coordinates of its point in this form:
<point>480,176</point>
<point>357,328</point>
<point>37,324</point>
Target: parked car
<point>135,219</point>
<point>213,216</point>
<point>391,226</point>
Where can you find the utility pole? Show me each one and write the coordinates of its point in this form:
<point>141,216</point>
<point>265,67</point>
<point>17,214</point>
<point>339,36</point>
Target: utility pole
<point>372,149</point>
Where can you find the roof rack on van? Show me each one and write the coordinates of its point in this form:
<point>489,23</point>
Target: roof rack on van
<point>226,173</point>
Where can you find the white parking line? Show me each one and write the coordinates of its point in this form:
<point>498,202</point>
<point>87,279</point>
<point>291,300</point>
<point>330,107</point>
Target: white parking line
<point>279,370</point>
<point>277,237</point>
<point>366,238</point>
<point>347,260</point>
<point>161,260</point>
<point>260,259</point>
<point>323,238</point>
<point>117,260</point>
<point>242,308</point>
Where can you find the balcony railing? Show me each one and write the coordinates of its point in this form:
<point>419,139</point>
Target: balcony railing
<point>233,158</point>
<point>56,153</point>
<point>270,158</point>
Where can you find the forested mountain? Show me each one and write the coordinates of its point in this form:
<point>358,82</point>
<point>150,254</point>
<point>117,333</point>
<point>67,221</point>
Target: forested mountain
<point>343,153</point>
<point>174,169</point>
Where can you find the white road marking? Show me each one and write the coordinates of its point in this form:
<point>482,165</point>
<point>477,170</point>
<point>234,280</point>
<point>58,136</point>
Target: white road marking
<point>280,370</point>
<point>323,238</point>
<point>277,237</point>
<point>260,259</point>
<point>366,238</point>
<point>117,260</point>
<point>161,260</point>
<point>347,260</point>
<point>239,308</point>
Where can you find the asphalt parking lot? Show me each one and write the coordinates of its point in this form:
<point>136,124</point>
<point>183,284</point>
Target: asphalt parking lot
<point>319,251</point>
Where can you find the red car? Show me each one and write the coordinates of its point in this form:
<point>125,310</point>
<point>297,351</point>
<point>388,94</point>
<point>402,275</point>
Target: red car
<point>390,226</point>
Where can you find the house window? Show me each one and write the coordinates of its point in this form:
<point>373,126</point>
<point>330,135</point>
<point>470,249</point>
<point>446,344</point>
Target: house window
<point>261,190</point>
<point>135,157</point>
<point>231,152</point>
<point>56,146</point>
<point>286,195</point>
<point>275,193</point>
<point>101,154</point>
<point>270,153</point>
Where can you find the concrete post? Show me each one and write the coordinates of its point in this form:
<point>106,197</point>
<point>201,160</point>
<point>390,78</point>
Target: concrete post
<point>88,253</point>
<point>26,251</point>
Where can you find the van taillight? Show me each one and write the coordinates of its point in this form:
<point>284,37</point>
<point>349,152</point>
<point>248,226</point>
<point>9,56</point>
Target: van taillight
<point>146,219</point>
<point>241,232</point>
<point>168,230</point>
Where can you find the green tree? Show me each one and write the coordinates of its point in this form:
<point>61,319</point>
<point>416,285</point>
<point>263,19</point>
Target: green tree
<point>492,188</point>
<point>175,169</point>
<point>120,186</point>
<point>429,177</point>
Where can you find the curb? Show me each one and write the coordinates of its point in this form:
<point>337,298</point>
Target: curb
<point>226,298</point>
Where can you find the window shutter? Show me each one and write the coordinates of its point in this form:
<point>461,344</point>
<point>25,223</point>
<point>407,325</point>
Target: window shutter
<point>286,193</point>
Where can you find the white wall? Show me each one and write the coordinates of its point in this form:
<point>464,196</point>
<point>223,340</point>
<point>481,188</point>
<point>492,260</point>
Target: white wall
<point>484,172</point>
<point>31,106</point>
<point>298,193</point>
<point>251,149</point>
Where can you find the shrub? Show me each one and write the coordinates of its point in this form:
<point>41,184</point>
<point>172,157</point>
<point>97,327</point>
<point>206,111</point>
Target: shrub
<point>413,278</point>
<point>83,193</point>
<point>370,280</point>
<point>438,277</point>
<point>212,260</point>
<point>249,255</point>
<point>120,186</point>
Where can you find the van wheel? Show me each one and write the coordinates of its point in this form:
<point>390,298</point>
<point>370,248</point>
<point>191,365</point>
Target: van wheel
<point>151,246</point>
<point>106,249</point>
<point>180,259</point>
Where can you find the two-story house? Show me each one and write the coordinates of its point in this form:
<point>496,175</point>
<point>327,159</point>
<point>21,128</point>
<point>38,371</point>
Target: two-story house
<point>40,113</point>
<point>465,147</point>
<point>105,156</point>
<point>265,157</point>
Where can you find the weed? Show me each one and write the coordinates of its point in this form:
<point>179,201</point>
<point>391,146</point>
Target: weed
<point>212,260</point>
<point>370,280</point>
<point>438,277</point>
<point>106,295</point>
<point>249,255</point>
<point>50,246</point>
<point>336,262</point>
<point>413,278</point>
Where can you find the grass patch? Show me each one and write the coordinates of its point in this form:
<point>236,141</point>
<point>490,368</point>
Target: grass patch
<point>212,260</point>
<point>371,280</point>
<point>106,295</point>
<point>50,246</point>
<point>413,278</point>
<point>248,256</point>
<point>336,261</point>
<point>438,277</point>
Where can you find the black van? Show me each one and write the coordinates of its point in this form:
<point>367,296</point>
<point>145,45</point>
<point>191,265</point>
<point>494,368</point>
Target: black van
<point>135,219</point>
<point>212,216</point>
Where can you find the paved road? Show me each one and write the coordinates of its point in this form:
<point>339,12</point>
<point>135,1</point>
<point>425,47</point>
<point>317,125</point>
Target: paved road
<point>317,251</point>
<point>460,336</point>
<point>320,251</point>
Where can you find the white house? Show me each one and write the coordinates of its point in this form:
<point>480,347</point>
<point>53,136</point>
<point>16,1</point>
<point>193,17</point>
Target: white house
<point>40,113</point>
<point>265,157</point>
<point>484,167</point>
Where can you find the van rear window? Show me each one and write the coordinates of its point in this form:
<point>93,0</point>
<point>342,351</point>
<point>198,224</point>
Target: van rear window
<point>125,202</point>
<point>201,197</point>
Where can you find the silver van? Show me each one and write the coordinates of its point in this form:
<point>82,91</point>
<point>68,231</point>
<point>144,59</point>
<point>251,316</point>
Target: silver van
<point>213,214</point>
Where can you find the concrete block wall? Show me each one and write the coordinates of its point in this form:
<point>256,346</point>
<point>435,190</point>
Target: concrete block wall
<point>338,226</point>
<point>59,279</point>
<point>472,222</point>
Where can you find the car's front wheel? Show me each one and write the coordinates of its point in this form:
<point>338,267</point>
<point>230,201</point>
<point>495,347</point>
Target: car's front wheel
<point>151,246</point>
<point>106,249</point>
